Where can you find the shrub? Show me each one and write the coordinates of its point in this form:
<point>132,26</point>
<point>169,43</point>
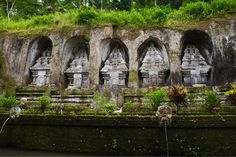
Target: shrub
<point>136,19</point>
<point>44,101</point>
<point>231,95</point>
<point>9,102</point>
<point>156,15</point>
<point>177,95</point>
<point>128,105</point>
<point>99,100</point>
<point>157,97</point>
<point>223,6</point>
<point>191,96</point>
<point>86,16</point>
<point>43,20</point>
<point>109,107</point>
<point>197,10</point>
<point>212,100</point>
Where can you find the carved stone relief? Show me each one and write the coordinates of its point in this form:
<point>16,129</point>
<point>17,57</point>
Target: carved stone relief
<point>115,70</point>
<point>194,67</point>
<point>40,70</point>
<point>77,73</point>
<point>153,67</point>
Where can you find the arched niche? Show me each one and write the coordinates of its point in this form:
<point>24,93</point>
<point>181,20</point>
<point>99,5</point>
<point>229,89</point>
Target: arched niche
<point>39,59</point>
<point>153,63</point>
<point>196,57</point>
<point>114,63</point>
<point>75,62</point>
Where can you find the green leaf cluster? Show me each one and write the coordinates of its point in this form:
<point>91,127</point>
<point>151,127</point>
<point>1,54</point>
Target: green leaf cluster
<point>212,100</point>
<point>157,97</point>
<point>136,17</point>
<point>44,101</point>
<point>9,102</point>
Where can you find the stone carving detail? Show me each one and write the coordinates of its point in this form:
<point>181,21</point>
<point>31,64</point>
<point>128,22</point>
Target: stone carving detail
<point>40,71</point>
<point>77,73</point>
<point>194,67</point>
<point>154,67</point>
<point>115,69</point>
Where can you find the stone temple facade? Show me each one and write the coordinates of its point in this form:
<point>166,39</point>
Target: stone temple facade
<point>194,67</point>
<point>123,57</point>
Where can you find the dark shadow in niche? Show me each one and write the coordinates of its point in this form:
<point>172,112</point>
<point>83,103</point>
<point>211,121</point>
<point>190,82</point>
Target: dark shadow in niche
<point>202,42</point>
<point>106,48</point>
<point>38,47</point>
<point>160,56</point>
<point>72,48</point>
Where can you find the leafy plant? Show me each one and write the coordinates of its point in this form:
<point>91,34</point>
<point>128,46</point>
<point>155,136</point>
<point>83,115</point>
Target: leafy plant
<point>177,95</point>
<point>43,20</point>
<point>231,95</point>
<point>86,16</point>
<point>44,101</point>
<point>157,97</point>
<point>191,96</point>
<point>222,6</point>
<point>128,105</point>
<point>212,100</point>
<point>9,102</point>
<point>109,107</point>
<point>102,102</point>
<point>99,100</point>
<point>197,10</point>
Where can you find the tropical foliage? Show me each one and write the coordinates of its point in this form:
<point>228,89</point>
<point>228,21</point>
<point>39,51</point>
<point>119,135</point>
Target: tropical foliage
<point>177,94</point>
<point>157,97</point>
<point>41,14</point>
<point>212,100</point>
<point>8,102</point>
<point>44,101</point>
<point>231,95</point>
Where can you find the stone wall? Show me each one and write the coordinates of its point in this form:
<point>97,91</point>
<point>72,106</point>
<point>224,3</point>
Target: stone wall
<point>123,135</point>
<point>216,44</point>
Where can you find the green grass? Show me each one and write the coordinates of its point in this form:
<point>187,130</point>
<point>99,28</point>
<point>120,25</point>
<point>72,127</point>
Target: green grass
<point>156,16</point>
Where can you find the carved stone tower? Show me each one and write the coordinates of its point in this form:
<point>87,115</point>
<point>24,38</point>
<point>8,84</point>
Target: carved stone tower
<point>153,67</point>
<point>194,67</point>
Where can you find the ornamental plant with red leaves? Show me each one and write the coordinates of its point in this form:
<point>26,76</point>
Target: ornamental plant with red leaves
<point>177,95</point>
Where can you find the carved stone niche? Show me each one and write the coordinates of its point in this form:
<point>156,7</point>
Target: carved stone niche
<point>154,67</point>
<point>78,71</point>
<point>115,70</point>
<point>194,67</point>
<point>41,69</point>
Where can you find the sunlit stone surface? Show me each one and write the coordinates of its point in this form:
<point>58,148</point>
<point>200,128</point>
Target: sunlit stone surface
<point>77,73</point>
<point>153,67</point>
<point>115,70</point>
<point>40,71</point>
<point>194,67</point>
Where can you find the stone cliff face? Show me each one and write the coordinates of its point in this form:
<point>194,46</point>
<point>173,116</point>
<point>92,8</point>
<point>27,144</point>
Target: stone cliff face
<point>216,45</point>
